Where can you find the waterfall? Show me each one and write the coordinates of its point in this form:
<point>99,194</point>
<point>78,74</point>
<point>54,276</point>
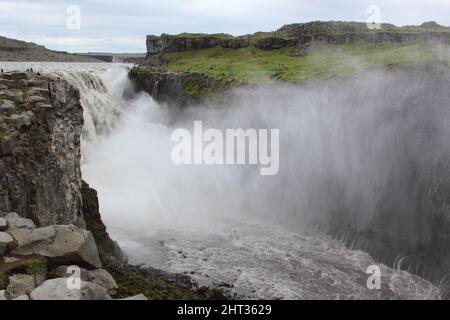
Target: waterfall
<point>364,154</point>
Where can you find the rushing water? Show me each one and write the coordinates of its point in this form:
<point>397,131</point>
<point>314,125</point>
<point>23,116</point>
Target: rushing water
<point>227,226</point>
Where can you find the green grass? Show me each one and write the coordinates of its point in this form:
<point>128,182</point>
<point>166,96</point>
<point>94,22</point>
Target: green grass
<point>251,65</point>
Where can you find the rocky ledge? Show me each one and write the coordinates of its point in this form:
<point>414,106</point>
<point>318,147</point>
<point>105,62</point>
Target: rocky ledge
<point>178,89</point>
<point>46,263</point>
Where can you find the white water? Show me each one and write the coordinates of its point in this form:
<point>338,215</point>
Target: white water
<point>210,222</point>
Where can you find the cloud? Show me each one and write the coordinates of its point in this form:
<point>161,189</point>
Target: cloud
<point>45,20</point>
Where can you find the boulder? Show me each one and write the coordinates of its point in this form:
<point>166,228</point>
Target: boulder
<point>16,222</point>
<point>68,271</point>
<point>138,297</point>
<point>3,295</point>
<point>10,215</point>
<point>20,284</point>
<point>104,279</point>
<point>24,297</point>
<point>59,289</point>
<point>3,224</point>
<point>61,244</point>
<point>6,242</point>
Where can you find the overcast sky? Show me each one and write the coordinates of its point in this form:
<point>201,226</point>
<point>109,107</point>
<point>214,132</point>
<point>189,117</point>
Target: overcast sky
<point>121,25</point>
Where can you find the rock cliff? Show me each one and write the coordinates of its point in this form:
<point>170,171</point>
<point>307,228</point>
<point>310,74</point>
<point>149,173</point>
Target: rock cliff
<point>336,32</point>
<point>40,128</point>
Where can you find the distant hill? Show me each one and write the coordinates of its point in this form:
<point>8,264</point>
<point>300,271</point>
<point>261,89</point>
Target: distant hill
<point>16,50</point>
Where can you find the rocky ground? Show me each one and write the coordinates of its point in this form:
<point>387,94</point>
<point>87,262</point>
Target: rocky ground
<point>46,263</point>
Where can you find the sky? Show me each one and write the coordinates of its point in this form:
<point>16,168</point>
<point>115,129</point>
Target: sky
<point>122,25</point>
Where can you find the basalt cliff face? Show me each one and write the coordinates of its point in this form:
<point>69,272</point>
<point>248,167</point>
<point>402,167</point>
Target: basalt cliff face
<point>179,69</point>
<point>40,131</point>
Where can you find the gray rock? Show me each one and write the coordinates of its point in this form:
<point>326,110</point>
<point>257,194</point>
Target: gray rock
<point>10,215</point>
<point>3,224</point>
<point>62,243</point>
<point>68,271</point>
<point>35,99</point>
<point>29,237</point>
<point>43,106</point>
<point>16,222</point>
<point>60,289</point>
<point>6,104</point>
<point>22,120</point>
<point>138,297</point>
<point>15,95</point>
<point>24,297</point>
<point>104,279</point>
<point>41,176</point>
<point>3,295</point>
<point>6,241</point>
<point>20,284</point>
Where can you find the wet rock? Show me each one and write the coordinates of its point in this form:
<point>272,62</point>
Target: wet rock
<point>6,149</point>
<point>104,279</point>
<point>6,241</point>
<point>20,284</point>
<point>94,223</point>
<point>61,244</point>
<point>60,289</point>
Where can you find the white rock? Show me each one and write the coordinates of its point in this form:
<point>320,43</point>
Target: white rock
<point>5,241</point>
<point>103,279</point>
<point>20,284</point>
<point>59,289</point>
<point>63,243</point>
<point>138,297</point>
<point>3,295</point>
<point>3,224</point>
<point>24,297</point>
